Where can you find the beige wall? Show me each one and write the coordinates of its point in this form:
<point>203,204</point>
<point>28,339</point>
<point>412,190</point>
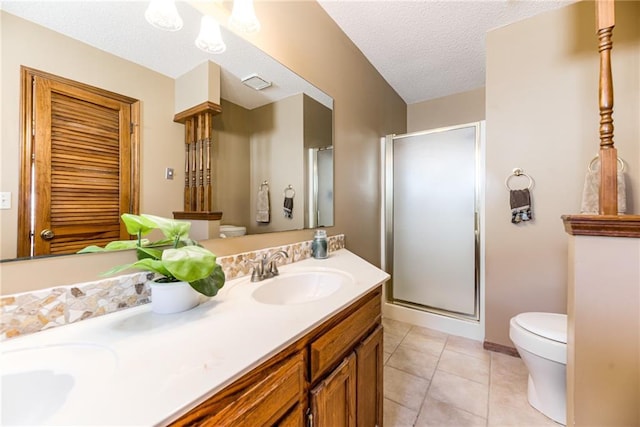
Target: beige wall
<point>456,109</point>
<point>23,43</point>
<point>305,39</point>
<point>318,124</point>
<point>542,116</point>
<point>197,86</point>
<point>230,158</point>
<point>603,340</point>
<point>301,36</point>
<point>277,140</point>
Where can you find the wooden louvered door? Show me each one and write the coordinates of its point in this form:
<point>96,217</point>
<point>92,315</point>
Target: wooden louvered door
<point>81,169</point>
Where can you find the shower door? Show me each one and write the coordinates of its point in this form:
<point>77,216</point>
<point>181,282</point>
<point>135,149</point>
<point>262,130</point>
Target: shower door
<point>319,201</point>
<point>432,239</point>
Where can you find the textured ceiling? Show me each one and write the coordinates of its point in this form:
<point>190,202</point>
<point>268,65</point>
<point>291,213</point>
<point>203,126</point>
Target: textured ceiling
<point>427,49</point>
<point>119,27</point>
<point>424,49</point>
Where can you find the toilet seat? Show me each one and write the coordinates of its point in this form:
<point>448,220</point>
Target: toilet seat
<point>232,231</point>
<point>535,333</point>
<point>548,325</point>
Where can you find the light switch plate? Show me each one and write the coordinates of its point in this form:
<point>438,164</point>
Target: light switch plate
<point>5,200</point>
<point>168,173</point>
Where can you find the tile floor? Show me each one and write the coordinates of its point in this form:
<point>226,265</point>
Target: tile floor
<point>435,379</point>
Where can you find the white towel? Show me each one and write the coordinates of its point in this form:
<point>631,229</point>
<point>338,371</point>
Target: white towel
<point>262,205</point>
<point>591,191</point>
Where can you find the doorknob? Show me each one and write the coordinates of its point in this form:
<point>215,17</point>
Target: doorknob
<point>47,234</point>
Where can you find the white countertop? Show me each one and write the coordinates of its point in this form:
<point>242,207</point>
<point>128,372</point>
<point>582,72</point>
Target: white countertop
<point>148,369</point>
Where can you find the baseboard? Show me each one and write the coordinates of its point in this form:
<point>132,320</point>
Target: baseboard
<point>499,348</point>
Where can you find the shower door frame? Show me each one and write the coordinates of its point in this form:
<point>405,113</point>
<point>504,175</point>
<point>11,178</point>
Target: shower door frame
<point>388,255</point>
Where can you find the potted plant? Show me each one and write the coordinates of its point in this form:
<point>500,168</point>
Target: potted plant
<point>183,265</point>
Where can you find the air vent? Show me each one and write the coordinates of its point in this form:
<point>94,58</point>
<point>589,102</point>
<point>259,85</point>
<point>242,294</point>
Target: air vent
<point>256,82</point>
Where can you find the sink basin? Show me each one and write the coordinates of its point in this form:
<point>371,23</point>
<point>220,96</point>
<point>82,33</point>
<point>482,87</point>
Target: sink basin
<point>298,287</point>
<point>36,382</point>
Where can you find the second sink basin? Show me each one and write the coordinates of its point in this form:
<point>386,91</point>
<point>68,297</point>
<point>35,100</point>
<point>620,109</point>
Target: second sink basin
<point>36,382</point>
<point>297,287</point>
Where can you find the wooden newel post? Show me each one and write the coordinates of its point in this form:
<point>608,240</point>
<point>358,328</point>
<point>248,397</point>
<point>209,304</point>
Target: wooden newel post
<point>198,123</point>
<point>605,16</point>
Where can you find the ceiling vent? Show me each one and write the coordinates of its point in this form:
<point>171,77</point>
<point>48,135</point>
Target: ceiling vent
<point>256,82</point>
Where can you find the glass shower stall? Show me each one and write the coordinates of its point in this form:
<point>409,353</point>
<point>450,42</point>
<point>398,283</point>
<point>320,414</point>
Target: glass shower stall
<point>432,220</point>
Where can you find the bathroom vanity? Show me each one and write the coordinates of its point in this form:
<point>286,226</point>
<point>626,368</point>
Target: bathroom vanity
<point>332,375</point>
<point>279,351</point>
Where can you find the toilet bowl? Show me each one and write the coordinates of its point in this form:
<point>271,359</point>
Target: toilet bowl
<point>541,341</point>
<point>232,231</point>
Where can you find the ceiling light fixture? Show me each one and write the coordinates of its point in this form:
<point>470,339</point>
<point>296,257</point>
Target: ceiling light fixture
<point>210,39</point>
<point>256,82</point>
<point>243,17</point>
<point>164,15</point>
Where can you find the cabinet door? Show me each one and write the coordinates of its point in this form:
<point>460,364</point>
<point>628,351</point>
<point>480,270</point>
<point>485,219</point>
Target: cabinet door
<point>260,398</point>
<point>334,344</point>
<point>295,418</point>
<point>369,356</point>
<point>333,401</point>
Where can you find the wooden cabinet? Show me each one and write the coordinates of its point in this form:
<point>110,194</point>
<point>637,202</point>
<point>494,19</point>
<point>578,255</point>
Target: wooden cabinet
<point>333,401</point>
<point>369,380</point>
<point>263,397</point>
<point>330,377</point>
<point>352,394</point>
<point>341,339</point>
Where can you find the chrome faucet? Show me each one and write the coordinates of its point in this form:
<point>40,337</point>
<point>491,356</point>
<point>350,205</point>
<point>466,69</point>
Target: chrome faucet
<point>267,267</point>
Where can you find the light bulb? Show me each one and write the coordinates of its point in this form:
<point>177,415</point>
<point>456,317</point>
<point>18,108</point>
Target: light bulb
<point>243,16</point>
<point>210,39</point>
<point>164,15</point>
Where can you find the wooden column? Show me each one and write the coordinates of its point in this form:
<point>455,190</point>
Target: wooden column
<point>605,16</point>
<point>198,192</point>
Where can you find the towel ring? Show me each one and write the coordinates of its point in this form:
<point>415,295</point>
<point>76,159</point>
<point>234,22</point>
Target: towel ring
<point>289,188</point>
<point>518,172</point>
<point>595,160</point>
<point>264,184</point>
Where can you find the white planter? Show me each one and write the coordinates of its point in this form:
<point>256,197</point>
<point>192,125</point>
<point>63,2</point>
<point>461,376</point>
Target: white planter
<point>173,297</point>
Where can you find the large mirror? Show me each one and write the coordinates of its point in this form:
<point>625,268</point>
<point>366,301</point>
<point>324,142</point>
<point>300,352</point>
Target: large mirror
<point>281,136</point>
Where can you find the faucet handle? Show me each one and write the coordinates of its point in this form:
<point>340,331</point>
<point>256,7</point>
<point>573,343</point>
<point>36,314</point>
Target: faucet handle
<point>257,272</point>
<point>273,268</point>
<point>273,261</point>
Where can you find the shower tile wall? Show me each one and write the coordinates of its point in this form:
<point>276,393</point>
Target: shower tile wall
<point>435,379</point>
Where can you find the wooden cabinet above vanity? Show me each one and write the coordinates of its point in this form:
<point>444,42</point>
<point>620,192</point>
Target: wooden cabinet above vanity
<point>331,377</point>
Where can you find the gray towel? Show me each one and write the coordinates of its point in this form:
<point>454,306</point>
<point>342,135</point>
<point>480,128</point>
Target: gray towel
<point>520,201</point>
<point>288,207</point>
<point>262,205</point>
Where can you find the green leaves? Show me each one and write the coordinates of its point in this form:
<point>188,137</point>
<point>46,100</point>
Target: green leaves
<point>117,245</point>
<point>211,284</point>
<point>138,224</point>
<point>189,263</point>
<point>172,229</point>
<point>186,261</point>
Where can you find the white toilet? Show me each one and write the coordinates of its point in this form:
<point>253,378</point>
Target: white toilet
<point>541,340</point>
<point>232,231</point>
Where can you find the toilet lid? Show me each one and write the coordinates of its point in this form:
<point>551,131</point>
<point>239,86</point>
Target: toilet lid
<point>549,325</point>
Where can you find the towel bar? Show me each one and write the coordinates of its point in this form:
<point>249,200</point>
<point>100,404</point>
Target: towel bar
<point>518,172</point>
<point>596,158</point>
<point>289,188</point>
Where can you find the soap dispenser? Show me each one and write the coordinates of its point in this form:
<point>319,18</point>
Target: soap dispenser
<point>319,246</point>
